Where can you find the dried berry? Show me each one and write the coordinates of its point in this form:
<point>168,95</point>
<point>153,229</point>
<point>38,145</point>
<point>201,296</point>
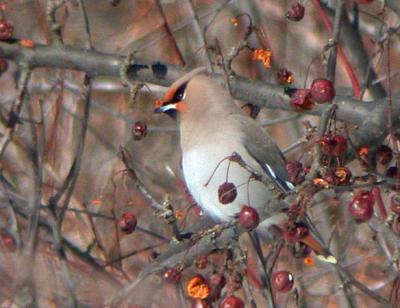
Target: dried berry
<point>395,204</point>
<point>248,217</point>
<point>282,281</point>
<point>264,56</point>
<point>301,98</point>
<point>294,168</point>
<point>6,30</point>
<point>139,130</point>
<point>231,301</point>
<point>361,206</point>
<point>296,13</point>
<point>333,145</point>
<point>322,90</point>
<point>227,193</point>
<point>202,262</point>
<point>198,288</point>
<point>285,76</point>
<point>342,175</point>
<point>296,233</point>
<point>383,155</point>
<point>127,222</point>
<point>172,275</point>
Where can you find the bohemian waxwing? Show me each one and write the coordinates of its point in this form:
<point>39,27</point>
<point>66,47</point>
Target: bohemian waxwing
<point>213,128</point>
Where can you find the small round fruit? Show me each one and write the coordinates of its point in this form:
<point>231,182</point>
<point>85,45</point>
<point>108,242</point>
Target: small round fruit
<point>6,30</point>
<point>227,193</point>
<point>301,98</point>
<point>294,168</point>
<point>296,13</point>
<point>322,90</point>
<point>285,76</point>
<point>231,301</point>
<point>282,281</point>
<point>342,175</point>
<point>139,130</point>
<point>127,222</point>
<point>339,145</point>
<point>248,217</point>
<point>172,275</point>
<point>361,208</point>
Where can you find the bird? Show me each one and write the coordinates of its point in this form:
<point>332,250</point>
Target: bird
<point>213,129</point>
<point>221,144</point>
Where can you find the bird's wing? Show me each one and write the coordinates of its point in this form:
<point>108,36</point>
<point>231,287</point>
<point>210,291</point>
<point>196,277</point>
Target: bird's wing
<point>264,150</point>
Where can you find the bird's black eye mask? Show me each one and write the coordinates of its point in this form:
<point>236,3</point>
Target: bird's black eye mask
<point>173,98</point>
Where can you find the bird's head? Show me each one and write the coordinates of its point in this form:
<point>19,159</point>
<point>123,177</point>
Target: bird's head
<point>192,96</point>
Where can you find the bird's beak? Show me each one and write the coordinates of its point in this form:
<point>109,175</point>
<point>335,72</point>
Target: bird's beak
<point>165,107</point>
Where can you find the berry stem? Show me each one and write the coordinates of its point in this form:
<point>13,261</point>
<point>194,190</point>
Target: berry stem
<point>342,56</point>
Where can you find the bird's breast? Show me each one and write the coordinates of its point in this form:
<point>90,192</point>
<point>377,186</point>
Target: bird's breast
<point>207,166</point>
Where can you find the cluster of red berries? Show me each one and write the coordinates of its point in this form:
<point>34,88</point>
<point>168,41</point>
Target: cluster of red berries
<point>321,91</point>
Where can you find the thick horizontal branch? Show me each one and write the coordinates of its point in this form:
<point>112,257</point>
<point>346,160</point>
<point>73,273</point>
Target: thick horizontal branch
<point>369,115</point>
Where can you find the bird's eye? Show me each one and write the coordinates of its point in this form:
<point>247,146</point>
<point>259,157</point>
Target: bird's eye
<point>180,93</point>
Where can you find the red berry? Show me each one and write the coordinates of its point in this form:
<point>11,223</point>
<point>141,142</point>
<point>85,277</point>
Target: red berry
<point>8,241</point>
<point>361,207</point>
<point>383,154</point>
<point>127,222</point>
<point>296,233</point>
<point>322,90</point>
<point>301,98</point>
<point>282,281</point>
<point>296,13</point>
<point>333,145</point>
<point>285,76</point>
<point>231,301</point>
<point>6,30</point>
<point>294,168</point>
<point>202,262</point>
<point>172,275</point>
<point>248,217</point>
<point>339,145</point>
<point>342,175</point>
<point>227,193</point>
<point>139,130</point>
<point>395,204</point>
